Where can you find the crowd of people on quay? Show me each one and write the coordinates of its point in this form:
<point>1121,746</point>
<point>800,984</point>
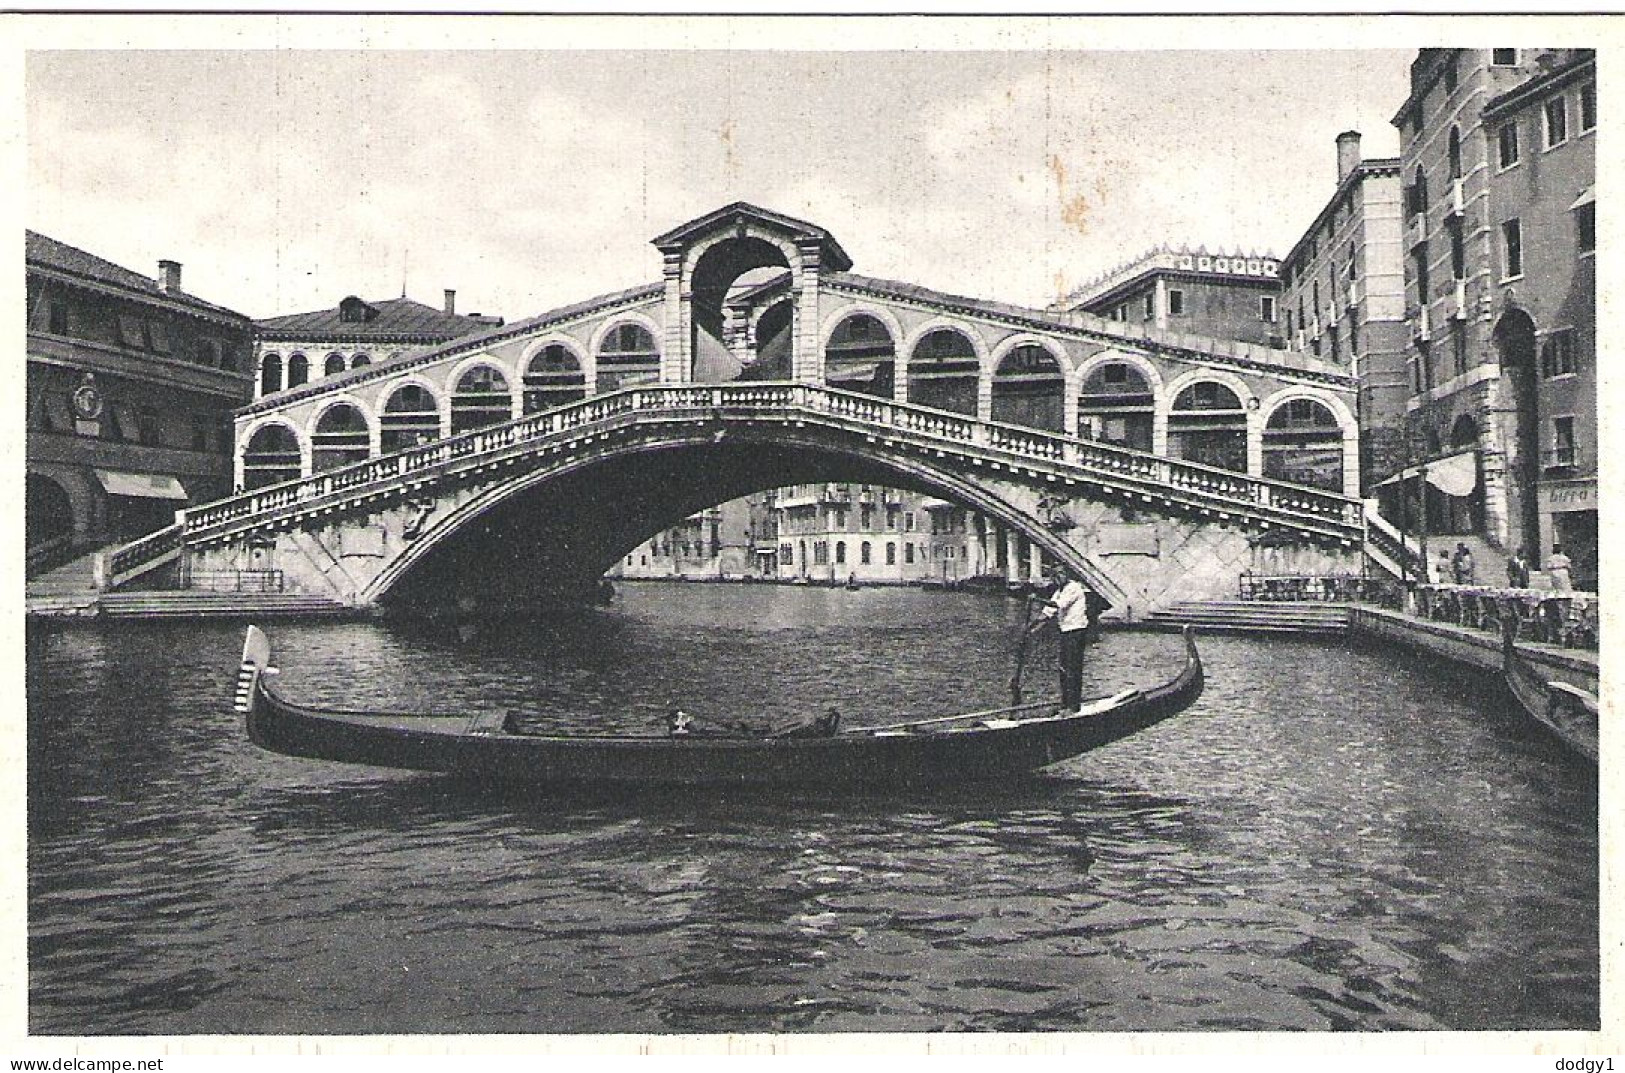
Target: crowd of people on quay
<point>1546,607</point>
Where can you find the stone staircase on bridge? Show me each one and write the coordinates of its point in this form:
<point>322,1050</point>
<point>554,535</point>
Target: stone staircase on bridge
<point>190,604</point>
<point>1253,616</point>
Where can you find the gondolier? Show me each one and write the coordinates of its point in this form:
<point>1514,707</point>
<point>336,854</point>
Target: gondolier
<point>1073,610</point>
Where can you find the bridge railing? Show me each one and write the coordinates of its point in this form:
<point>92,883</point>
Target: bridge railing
<point>695,402</point>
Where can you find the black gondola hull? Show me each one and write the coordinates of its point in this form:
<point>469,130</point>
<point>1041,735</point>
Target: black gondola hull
<point>456,745</point>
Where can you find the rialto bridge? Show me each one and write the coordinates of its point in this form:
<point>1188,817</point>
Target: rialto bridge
<point>525,460</point>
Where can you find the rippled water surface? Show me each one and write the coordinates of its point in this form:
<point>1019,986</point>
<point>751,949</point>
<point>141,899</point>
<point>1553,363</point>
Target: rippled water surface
<point>1334,837</point>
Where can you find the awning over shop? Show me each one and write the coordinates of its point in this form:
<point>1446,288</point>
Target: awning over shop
<point>1586,198</point>
<point>1456,475</point>
<point>141,485</point>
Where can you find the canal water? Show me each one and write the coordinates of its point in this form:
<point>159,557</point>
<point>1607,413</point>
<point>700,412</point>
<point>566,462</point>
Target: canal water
<point>1334,838</point>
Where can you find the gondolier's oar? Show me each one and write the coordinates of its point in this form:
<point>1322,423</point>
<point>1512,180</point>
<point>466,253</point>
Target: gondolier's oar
<point>1021,653</point>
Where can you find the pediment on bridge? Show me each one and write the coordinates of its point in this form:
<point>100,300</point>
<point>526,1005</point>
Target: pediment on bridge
<point>732,219</point>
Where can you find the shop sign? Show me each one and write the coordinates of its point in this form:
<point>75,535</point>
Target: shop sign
<point>1555,499</point>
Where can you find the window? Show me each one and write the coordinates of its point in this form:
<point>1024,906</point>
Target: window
<point>200,433</point>
<point>891,554</point>
<point>840,551</point>
<point>1588,106</point>
<point>1150,305</point>
<point>1354,336</point>
<point>1458,345</point>
<point>1506,139</point>
<point>1557,121</point>
<point>1557,354</point>
<point>1563,447</point>
<point>1450,74</point>
<point>1424,288</point>
<point>1503,57</point>
<point>59,318</point>
<point>1337,353</point>
<point>1266,308</point>
<point>1455,153</point>
<point>866,516</point>
<point>1289,322</point>
<point>891,517</point>
<point>1585,227</point>
<point>1315,292</point>
<point>1419,194</point>
<point>1176,302</point>
<point>865,553</point>
<point>1511,249</point>
<point>908,521</point>
<point>1458,250</point>
<point>148,426</point>
<point>908,553</point>
<point>1315,346</point>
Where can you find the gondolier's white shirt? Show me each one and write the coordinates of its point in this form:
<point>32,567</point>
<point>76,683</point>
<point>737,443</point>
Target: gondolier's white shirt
<point>1072,605</point>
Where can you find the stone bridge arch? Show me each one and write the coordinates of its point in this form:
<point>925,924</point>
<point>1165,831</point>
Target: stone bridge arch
<point>720,469</point>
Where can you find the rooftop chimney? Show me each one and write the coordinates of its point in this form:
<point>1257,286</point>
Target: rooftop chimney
<point>1348,153</point>
<point>451,302</point>
<point>169,277</point>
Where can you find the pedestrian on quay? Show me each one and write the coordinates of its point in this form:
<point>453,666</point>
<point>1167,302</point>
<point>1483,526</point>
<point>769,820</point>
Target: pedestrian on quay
<point>1463,563</point>
<point>1070,606</point>
<point>1518,569</point>
<point>1559,568</point>
<point>1442,571</point>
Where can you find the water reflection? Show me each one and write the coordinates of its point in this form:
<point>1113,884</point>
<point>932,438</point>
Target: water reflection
<point>1330,839</point>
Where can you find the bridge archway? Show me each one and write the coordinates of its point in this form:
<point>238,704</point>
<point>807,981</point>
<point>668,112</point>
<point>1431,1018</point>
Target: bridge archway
<point>717,267</point>
<point>860,350</point>
<point>273,453</point>
<point>573,518</point>
<point>410,415</point>
<point>339,434</point>
<point>1029,384</point>
<point>944,369</point>
<point>1211,419</point>
<point>1118,397</point>
<point>48,514</point>
<point>554,375</point>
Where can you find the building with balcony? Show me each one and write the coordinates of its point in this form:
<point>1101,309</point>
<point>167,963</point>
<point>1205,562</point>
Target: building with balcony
<point>131,385</point>
<point>1220,295</point>
<point>1498,165</point>
<point>293,350</point>
<point>1343,299</point>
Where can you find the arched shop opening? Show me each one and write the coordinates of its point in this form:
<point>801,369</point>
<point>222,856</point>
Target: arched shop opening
<point>1303,443</point>
<point>1028,389</point>
<point>271,457</point>
<point>341,437</point>
<point>861,356</point>
<point>553,378</point>
<point>411,416</point>
<point>1208,424</point>
<point>944,372</point>
<point>1116,406</point>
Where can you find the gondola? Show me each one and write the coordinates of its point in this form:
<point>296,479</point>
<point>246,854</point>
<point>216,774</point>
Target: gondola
<point>487,747</point>
<point>1569,712</point>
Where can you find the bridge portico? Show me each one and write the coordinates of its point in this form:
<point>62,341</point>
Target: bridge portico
<point>1100,441</point>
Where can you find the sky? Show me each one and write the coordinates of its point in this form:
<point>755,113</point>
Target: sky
<point>284,180</point>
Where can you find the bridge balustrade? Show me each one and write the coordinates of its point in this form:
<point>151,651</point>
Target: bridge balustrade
<point>909,418</point>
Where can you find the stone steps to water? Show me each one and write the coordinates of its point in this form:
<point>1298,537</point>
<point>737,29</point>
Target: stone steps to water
<point>1251,616</point>
<point>200,604</point>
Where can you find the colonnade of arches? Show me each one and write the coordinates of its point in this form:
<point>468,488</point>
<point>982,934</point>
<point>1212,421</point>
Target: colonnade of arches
<point>1205,416</point>
<point>277,372</point>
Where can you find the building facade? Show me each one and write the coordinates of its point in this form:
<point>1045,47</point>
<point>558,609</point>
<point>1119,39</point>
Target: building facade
<point>131,386</point>
<point>1498,163</point>
<point>1343,300</point>
<point>1543,214</point>
<point>1224,296</point>
<point>299,348</point>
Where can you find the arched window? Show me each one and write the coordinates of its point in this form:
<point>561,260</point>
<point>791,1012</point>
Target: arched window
<point>298,370</point>
<point>1028,388</point>
<point>1455,153</point>
<point>840,551</point>
<point>1464,432</point>
<point>627,357</point>
<point>1303,444</point>
<point>271,457</point>
<point>481,399</point>
<point>1208,424</point>
<point>553,378</point>
<point>1115,405</point>
<point>1419,193</point>
<point>270,373</point>
<point>340,438</point>
<point>360,361</point>
<point>411,416</point>
<point>891,553</point>
<point>943,372</point>
<point>865,553</point>
<point>333,364</point>
<point>861,356</point>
